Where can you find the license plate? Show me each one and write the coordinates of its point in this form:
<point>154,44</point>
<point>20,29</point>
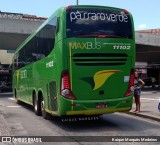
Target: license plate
<point>101,105</point>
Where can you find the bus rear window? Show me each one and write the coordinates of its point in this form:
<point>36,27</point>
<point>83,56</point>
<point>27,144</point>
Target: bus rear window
<point>88,22</point>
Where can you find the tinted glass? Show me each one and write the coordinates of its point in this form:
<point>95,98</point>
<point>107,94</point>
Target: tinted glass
<point>39,46</point>
<point>93,22</point>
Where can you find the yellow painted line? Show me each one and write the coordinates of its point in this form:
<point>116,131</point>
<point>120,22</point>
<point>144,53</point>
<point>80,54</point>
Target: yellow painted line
<point>150,99</point>
<point>51,112</point>
<point>17,77</point>
<point>72,105</point>
<point>11,98</point>
<point>70,67</point>
<point>13,106</point>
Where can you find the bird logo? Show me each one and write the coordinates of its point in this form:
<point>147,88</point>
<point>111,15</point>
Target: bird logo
<point>99,78</point>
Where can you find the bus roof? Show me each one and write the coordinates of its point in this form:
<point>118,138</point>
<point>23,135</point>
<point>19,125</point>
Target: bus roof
<point>63,9</point>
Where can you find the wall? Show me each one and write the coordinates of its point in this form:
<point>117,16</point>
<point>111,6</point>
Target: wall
<point>6,57</point>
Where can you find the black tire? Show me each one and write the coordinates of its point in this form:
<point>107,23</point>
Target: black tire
<point>44,113</point>
<point>37,105</point>
<point>15,96</point>
<point>18,102</point>
<point>153,86</point>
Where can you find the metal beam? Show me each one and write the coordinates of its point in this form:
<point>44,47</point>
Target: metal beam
<point>76,2</point>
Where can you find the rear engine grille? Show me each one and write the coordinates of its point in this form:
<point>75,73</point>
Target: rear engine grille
<point>99,59</point>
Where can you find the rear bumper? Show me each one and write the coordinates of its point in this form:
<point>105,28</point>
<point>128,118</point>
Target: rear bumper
<point>88,107</point>
<point>97,111</point>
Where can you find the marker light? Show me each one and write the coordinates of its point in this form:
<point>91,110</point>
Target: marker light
<point>69,7</point>
<point>126,11</point>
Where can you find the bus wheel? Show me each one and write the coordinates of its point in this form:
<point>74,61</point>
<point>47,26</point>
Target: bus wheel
<point>44,113</point>
<point>37,106</point>
<point>18,101</point>
<point>15,96</point>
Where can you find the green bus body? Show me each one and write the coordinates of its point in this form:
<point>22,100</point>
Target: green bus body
<point>79,62</point>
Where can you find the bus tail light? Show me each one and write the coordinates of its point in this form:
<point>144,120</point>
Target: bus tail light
<point>65,86</point>
<point>130,89</point>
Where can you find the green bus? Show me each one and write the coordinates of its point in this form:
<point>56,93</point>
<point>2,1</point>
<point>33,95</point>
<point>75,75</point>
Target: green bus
<point>80,61</point>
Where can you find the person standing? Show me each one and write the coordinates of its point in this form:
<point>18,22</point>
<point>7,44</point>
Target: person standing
<point>138,83</point>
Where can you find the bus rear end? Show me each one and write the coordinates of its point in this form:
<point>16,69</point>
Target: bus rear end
<point>100,49</point>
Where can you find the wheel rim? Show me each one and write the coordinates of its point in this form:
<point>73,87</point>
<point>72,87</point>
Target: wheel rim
<point>35,104</point>
<point>42,106</point>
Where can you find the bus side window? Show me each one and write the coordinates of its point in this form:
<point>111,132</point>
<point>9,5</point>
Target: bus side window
<point>39,47</point>
<point>57,25</point>
<point>22,58</point>
<point>52,24</point>
<point>15,63</point>
<point>46,38</point>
